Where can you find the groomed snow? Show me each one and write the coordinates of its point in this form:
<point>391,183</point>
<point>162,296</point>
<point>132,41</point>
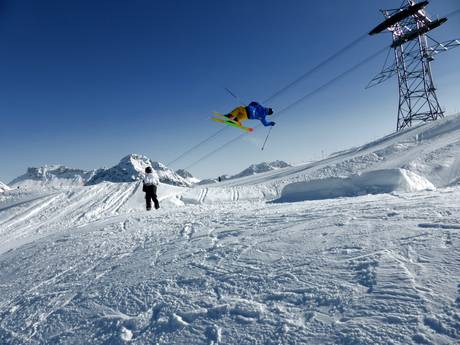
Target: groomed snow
<point>222,264</point>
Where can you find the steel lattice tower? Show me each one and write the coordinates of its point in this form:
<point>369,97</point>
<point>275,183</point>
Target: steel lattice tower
<point>413,55</point>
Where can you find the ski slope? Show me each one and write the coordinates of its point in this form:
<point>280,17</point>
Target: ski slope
<point>238,262</point>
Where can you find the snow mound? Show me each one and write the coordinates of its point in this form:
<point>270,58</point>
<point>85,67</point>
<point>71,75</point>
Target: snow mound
<point>131,168</point>
<point>52,176</point>
<point>372,182</point>
<point>4,187</point>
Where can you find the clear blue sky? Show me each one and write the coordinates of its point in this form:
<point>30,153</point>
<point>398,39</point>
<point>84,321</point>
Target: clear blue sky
<point>85,82</point>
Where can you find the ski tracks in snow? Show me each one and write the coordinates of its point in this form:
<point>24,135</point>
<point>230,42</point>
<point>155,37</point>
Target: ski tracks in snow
<point>351,271</point>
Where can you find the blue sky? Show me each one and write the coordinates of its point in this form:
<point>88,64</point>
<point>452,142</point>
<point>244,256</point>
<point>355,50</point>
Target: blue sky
<point>85,82</point>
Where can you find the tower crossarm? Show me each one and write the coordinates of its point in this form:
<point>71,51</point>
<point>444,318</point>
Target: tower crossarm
<point>390,71</point>
<point>442,47</point>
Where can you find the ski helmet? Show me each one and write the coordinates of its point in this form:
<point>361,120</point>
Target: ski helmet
<point>148,170</point>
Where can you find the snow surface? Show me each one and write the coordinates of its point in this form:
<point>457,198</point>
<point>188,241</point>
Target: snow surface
<point>223,264</point>
<point>3,187</point>
<point>371,182</point>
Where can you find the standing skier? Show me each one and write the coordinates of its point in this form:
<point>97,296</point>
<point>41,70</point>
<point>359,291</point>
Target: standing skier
<point>150,183</point>
<point>254,111</point>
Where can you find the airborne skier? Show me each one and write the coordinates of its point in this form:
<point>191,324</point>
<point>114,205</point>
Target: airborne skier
<point>253,111</point>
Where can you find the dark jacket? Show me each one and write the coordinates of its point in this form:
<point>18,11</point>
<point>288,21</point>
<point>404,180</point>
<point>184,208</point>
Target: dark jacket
<point>257,112</point>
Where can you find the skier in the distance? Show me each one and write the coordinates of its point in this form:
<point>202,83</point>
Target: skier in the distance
<point>150,183</point>
<point>254,111</point>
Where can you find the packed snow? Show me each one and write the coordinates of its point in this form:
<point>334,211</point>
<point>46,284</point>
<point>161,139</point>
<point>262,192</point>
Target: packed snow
<point>359,248</point>
<point>371,182</point>
<point>3,187</point>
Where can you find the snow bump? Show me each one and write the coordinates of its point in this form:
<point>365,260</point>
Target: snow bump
<point>372,182</point>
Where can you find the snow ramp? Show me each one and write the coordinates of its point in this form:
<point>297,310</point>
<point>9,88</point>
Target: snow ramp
<point>372,182</point>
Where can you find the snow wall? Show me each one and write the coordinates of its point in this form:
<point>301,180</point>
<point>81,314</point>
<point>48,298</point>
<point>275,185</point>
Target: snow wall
<point>372,182</point>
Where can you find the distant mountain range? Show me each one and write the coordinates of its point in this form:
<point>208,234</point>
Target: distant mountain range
<point>52,175</point>
<point>130,168</point>
<point>250,171</point>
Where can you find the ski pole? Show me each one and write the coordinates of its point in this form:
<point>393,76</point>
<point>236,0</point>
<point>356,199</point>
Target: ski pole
<point>266,138</point>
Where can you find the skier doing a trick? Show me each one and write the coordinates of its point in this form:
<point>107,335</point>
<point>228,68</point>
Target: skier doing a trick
<point>254,111</point>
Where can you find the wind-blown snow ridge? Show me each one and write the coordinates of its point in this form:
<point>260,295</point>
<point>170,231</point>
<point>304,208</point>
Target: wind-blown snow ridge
<point>371,182</point>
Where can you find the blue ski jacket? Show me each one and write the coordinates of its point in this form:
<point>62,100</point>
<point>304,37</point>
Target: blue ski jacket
<point>257,112</point>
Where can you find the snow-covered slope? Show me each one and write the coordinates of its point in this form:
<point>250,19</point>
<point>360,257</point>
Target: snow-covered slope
<point>132,167</point>
<point>430,152</point>
<point>33,213</point>
<point>88,265</point>
<point>52,176</point>
<point>3,187</point>
<point>380,269</point>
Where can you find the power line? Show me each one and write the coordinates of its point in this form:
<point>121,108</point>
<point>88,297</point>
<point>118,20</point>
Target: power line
<point>316,68</point>
<point>453,13</point>
<point>332,81</point>
<point>197,145</point>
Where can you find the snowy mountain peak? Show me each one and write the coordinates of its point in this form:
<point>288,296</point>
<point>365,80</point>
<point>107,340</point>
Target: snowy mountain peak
<point>132,168</point>
<point>183,173</point>
<point>187,176</point>
<point>261,168</point>
<point>138,162</point>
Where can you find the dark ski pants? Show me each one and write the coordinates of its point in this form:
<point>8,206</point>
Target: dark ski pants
<point>151,194</point>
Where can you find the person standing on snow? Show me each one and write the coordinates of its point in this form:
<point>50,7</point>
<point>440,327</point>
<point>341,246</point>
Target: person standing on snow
<point>254,111</point>
<point>150,183</point>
